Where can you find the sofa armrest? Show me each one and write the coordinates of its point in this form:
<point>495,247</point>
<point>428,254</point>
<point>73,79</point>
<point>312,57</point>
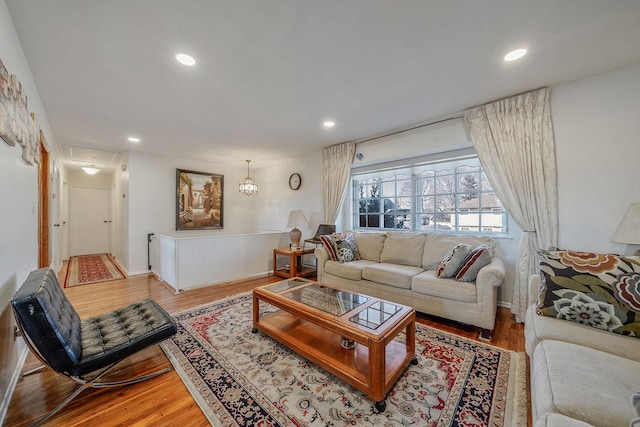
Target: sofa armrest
<point>322,256</point>
<point>491,275</point>
<point>489,279</point>
<point>534,289</point>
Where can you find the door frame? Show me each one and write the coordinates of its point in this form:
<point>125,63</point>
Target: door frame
<point>44,209</point>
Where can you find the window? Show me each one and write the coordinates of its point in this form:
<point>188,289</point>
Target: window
<point>451,195</point>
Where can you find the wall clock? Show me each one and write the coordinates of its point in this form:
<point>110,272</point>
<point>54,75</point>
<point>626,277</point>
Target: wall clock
<point>295,181</point>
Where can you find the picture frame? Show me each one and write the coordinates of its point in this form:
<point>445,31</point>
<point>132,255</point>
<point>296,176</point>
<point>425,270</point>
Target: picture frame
<point>199,200</point>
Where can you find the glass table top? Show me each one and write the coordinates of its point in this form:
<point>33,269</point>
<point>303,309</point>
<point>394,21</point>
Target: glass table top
<point>327,299</point>
<point>376,314</point>
<point>336,302</point>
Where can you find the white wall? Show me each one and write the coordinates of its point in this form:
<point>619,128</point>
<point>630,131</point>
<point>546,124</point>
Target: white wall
<point>440,137</point>
<point>19,213</point>
<point>597,131</point>
<point>120,207</point>
<point>275,199</point>
<point>151,200</point>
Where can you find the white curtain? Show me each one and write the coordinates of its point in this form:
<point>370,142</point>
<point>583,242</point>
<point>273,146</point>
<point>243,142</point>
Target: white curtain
<point>336,168</point>
<point>514,141</point>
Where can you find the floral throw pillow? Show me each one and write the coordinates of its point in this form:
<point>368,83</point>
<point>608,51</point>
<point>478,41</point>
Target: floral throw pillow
<point>339,249</point>
<point>354,246</point>
<point>348,237</point>
<point>597,290</point>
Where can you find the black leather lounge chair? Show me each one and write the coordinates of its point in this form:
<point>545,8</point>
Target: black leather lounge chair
<point>84,350</point>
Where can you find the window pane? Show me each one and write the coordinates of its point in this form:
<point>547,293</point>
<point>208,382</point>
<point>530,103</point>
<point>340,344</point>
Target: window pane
<point>452,195</point>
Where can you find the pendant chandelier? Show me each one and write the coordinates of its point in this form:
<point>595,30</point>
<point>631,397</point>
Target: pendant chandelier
<point>248,187</point>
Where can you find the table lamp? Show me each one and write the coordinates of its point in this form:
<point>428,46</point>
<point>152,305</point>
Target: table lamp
<point>296,218</point>
<point>628,230</point>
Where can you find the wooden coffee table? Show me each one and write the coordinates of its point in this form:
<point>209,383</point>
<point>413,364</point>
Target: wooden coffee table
<point>350,335</point>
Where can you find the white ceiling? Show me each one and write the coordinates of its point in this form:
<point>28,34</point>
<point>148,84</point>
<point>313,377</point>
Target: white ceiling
<point>269,73</point>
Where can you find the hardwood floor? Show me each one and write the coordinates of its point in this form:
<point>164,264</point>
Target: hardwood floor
<point>163,400</point>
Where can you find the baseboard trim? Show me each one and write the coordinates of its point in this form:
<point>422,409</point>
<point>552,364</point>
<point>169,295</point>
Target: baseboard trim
<point>504,304</point>
<point>6,398</point>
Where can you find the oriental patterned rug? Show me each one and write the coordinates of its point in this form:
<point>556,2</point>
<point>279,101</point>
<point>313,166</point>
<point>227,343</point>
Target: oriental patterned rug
<point>86,269</point>
<point>243,379</point>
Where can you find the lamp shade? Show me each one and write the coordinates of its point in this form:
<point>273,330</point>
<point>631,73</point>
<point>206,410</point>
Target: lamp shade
<point>628,230</point>
<point>296,218</point>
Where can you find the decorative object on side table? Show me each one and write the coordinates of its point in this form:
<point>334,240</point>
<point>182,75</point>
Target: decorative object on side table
<point>628,230</point>
<point>296,218</point>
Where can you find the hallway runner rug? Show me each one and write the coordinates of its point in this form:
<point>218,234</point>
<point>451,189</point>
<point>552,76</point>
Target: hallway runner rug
<point>243,379</point>
<point>87,269</point>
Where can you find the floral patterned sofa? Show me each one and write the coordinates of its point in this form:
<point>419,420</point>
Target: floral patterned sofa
<point>582,333</point>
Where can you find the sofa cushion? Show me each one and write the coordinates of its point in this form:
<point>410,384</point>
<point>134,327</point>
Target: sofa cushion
<point>398,276</point>
<point>348,270</point>
<point>538,328</point>
<point>403,248</point>
<point>428,283</point>
<point>582,383</point>
<point>598,290</point>
<point>370,245</point>
<point>475,260</point>
<point>559,420</point>
<point>438,244</point>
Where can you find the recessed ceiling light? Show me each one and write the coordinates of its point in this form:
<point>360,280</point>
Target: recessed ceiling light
<point>133,139</point>
<point>515,54</point>
<point>185,59</point>
<point>329,124</point>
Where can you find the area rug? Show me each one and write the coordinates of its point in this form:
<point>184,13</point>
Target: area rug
<point>243,379</point>
<point>86,269</point>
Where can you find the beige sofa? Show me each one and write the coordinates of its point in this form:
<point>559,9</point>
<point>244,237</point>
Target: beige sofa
<point>401,267</point>
<point>580,375</point>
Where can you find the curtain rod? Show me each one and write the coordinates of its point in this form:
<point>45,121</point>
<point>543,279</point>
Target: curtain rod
<point>412,127</point>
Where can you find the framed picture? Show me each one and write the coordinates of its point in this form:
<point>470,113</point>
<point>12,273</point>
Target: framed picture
<point>199,200</point>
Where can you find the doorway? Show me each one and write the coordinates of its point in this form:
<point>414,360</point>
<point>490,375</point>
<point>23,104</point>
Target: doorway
<point>90,220</point>
<point>44,207</point>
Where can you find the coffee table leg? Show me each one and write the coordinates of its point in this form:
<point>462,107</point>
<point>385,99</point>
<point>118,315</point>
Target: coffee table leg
<point>256,312</point>
<point>381,406</point>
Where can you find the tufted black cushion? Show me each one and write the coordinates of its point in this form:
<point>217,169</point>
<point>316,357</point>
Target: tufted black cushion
<point>49,320</point>
<point>77,347</point>
<point>112,336</point>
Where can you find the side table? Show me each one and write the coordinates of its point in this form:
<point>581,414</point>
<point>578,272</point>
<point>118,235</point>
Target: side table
<point>296,269</point>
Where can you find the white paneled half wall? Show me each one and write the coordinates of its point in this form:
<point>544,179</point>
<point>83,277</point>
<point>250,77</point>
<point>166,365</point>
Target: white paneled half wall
<point>191,262</point>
